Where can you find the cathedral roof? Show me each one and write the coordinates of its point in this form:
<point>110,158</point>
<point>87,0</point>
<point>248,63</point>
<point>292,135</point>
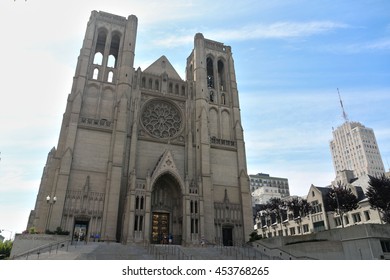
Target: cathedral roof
<point>161,66</point>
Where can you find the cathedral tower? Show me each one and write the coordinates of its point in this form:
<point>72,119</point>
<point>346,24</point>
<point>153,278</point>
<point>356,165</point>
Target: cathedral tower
<point>144,155</point>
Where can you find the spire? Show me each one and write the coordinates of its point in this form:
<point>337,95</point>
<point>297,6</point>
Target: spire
<point>342,107</point>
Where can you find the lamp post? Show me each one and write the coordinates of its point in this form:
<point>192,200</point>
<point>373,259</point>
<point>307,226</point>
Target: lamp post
<point>50,201</point>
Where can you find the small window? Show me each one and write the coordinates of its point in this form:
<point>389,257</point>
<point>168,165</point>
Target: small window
<point>95,74</point>
<point>142,203</point>
<point>223,99</point>
<point>367,215</point>
<point>356,218</point>
<point>337,221</point>
<point>110,76</point>
<point>194,226</point>
<point>170,88</point>
<point>136,223</point>
<point>141,220</point>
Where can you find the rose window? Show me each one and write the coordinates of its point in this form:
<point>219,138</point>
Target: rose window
<point>161,119</point>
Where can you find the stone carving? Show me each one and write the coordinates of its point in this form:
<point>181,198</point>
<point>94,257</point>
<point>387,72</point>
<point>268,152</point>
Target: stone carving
<point>161,119</point>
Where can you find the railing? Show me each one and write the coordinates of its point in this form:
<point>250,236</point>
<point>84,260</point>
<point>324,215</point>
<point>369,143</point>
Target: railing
<point>167,251</point>
<point>242,252</point>
<point>276,253</point>
<point>45,248</point>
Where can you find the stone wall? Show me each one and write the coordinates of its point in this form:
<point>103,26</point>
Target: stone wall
<point>350,243</point>
<point>26,242</point>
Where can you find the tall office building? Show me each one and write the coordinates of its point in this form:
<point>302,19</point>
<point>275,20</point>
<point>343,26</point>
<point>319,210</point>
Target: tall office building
<point>264,187</point>
<point>354,148</point>
<point>144,154</point>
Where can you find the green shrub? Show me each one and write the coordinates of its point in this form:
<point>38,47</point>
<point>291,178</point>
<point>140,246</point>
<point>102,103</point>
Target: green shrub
<point>5,249</point>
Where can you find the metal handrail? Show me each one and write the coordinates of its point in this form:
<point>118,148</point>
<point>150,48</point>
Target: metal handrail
<point>42,248</point>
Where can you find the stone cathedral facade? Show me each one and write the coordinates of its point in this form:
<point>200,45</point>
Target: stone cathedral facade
<point>144,155</point>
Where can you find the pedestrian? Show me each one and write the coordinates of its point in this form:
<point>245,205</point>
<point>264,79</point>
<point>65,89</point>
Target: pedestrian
<point>170,238</point>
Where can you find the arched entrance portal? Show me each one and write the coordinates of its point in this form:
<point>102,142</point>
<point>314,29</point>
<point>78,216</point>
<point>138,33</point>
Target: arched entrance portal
<point>80,228</point>
<point>167,210</point>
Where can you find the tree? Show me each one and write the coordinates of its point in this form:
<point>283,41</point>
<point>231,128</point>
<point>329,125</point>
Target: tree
<point>254,236</point>
<point>342,200</point>
<point>272,213</point>
<point>5,249</point>
<point>378,194</point>
<point>300,208</point>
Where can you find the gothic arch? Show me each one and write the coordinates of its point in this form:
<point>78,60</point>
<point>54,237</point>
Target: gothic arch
<point>213,117</point>
<point>225,124</point>
<point>221,73</point>
<point>166,165</point>
<point>210,71</point>
<point>167,209</point>
<point>101,40</point>
<point>107,104</point>
<point>90,101</point>
<point>114,49</point>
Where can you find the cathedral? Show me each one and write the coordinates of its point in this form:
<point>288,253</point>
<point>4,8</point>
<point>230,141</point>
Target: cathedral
<point>143,155</point>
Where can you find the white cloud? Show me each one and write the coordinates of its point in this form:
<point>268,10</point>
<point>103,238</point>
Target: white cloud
<point>280,30</point>
<point>381,44</point>
<point>277,30</point>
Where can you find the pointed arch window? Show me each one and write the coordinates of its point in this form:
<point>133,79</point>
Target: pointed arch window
<point>114,50</point>
<point>99,49</point>
<point>110,76</point>
<point>221,75</point>
<point>210,72</point>
<point>143,82</point>
<point>156,85</point>
<point>95,75</point>
<point>111,61</point>
<point>98,58</point>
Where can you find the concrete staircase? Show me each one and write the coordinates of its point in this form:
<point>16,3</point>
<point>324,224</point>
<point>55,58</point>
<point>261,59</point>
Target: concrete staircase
<point>117,251</point>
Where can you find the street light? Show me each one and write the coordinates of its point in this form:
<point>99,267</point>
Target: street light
<point>50,201</point>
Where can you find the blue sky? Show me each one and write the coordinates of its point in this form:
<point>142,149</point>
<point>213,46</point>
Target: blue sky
<point>290,58</point>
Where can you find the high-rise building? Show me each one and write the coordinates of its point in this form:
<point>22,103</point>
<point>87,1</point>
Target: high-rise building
<point>354,148</point>
<point>263,187</point>
<point>143,155</point>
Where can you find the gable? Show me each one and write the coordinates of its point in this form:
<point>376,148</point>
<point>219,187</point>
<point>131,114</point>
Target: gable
<point>162,66</point>
<point>166,164</point>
